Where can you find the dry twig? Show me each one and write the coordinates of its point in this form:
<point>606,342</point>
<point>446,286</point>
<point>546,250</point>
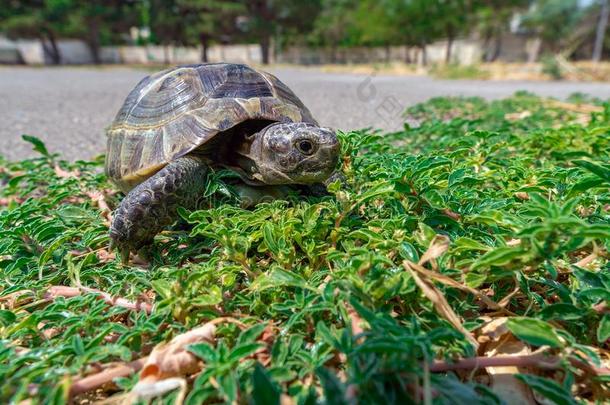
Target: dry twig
<point>68,292</point>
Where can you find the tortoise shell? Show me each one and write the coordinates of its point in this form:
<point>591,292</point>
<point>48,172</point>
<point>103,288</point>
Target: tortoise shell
<point>171,113</point>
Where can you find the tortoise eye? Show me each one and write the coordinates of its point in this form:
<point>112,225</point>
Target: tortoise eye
<point>306,147</point>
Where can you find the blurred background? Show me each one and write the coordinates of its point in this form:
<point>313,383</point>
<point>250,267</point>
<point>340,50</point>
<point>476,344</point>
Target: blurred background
<point>354,63</point>
<point>412,32</point>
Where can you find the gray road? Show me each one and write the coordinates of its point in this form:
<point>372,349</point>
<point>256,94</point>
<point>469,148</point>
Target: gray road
<point>70,107</point>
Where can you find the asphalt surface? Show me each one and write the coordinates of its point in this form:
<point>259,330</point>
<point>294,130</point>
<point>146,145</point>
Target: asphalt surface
<point>69,107</point>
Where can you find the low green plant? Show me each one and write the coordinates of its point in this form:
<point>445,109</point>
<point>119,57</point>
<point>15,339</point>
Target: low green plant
<point>496,204</point>
<point>454,71</point>
<point>551,67</point>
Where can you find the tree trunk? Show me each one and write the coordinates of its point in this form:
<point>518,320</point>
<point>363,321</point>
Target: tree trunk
<point>497,47</point>
<point>94,49</point>
<point>424,56</point>
<point>51,49</point>
<point>166,59</point>
<point>601,31</point>
<point>263,9</point>
<point>387,53</point>
<point>533,51</point>
<point>203,40</point>
<point>407,55</point>
<point>93,40</point>
<point>449,46</point>
<point>265,46</point>
<point>486,48</point>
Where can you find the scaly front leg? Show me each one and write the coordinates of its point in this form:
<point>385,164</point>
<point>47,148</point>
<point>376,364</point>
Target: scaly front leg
<point>152,205</point>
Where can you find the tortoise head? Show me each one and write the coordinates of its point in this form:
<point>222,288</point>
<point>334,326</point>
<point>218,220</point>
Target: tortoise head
<point>292,153</point>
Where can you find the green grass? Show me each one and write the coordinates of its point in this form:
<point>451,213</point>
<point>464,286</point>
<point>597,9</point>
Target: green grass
<point>329,289</point>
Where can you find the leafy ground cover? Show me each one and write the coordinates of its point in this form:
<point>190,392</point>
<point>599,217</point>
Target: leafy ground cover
<point>464,261</point>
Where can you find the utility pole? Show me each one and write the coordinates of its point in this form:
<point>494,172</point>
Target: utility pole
<point>601,31</point>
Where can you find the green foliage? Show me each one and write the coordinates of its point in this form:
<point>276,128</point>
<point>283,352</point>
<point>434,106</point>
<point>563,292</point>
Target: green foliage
<point>522,201</point>
<point>551,67</point>
<point>455,71</point>
<point>554,21</point>
<point>561,24</point>
<point>97,22</point>
<point>194,22</point>
<point>283,20</point>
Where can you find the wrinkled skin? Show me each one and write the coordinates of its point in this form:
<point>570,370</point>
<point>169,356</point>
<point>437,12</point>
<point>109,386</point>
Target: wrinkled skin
<point>295,153</point>
<point>280,154</point>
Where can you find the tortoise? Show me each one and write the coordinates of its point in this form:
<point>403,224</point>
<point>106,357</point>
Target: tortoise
<point>178,124</point>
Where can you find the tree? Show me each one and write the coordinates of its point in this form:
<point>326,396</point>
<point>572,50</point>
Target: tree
<point>553,21</point>
<point>95,21</point>
<point>207,21</point>
<point>98,22</point>
<point>493,21</point>
<point>415,23</point>
<point>281,18</point>
<point>166,23</point>
<point>39,19</point>
<point>376,24</point>
<point>334,25</point>
<point>601,30</point>
<point>452,17</point>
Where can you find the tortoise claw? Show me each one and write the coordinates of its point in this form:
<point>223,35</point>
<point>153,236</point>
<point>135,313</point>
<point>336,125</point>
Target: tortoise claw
<point>124,253</point>
<point>122,250</point>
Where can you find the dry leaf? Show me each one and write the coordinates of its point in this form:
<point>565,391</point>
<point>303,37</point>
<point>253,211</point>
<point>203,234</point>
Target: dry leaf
<point>6,201</point>
<point>438,246</point>
<point>148,390</point>
<point>587,259</point>
<point>440,303</point>
<point>355,321</point>
<point>451,214</point>
<point>502,343</point>
<point>98,198</point>
<point>104,256</point>
<point>48,333</point>
<point>452,283</point>
<point>287,400</point>
<point>578,108</point>
<point>172,359</point>
<point>64,174</point>
<point>494,329</point>
<point>522,195</point>
<point>517,115</point>
<point>169,362</point>
<point>504,384</point>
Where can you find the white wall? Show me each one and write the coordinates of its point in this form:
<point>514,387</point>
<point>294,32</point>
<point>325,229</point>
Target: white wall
<point>76,52</point>
<point>464,52</point>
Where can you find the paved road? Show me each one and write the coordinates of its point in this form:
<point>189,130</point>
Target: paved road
<point>69,107</point>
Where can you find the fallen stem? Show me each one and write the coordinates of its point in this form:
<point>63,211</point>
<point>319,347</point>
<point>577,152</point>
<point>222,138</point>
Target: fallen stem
<point>531,360</point>
<point>441,278</point>
<point>155,361</point>
<point>106,376</point>
<point>69,292</point>
<point>439,302</point>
